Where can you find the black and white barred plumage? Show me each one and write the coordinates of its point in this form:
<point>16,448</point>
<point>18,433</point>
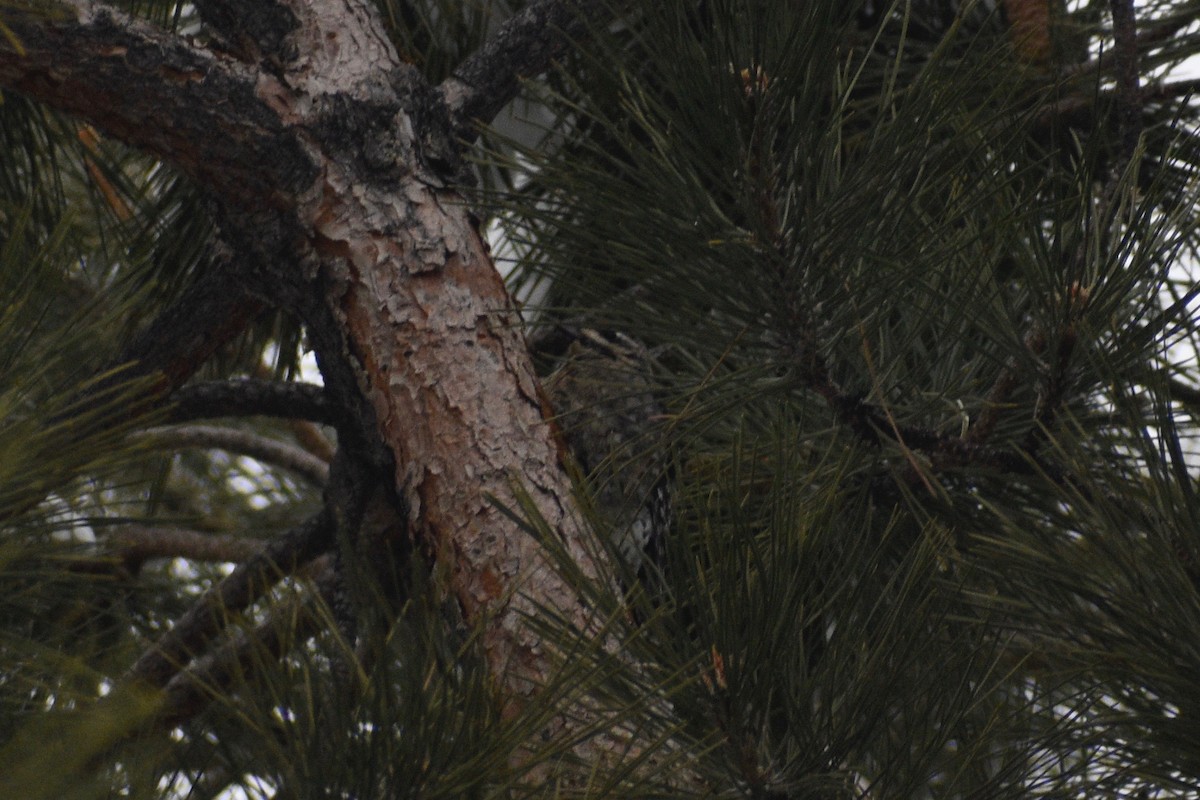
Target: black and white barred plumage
<point>604,402</point>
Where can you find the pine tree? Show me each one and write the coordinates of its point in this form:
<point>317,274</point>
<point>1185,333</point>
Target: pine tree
<point>910,285</point>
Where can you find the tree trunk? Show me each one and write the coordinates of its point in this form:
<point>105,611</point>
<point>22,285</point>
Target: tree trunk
<point>327,158</point>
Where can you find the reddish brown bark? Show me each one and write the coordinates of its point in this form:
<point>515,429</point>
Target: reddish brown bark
<point>445,367</point>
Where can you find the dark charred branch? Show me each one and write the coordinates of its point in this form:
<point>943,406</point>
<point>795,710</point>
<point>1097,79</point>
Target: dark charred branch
<point>525,46</point>
<point>252,397</point>
<point>1129,104</point>
<point>354,482</point>
<point>253,30</point>
<point>204,112</point>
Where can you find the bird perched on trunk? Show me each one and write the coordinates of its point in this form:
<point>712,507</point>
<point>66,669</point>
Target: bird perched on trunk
<point>604,404</point>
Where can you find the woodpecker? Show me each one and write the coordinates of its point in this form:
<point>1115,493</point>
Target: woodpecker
<point>604,404</point>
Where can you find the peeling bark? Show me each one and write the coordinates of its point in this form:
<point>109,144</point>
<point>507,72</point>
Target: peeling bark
<point>441,358</point>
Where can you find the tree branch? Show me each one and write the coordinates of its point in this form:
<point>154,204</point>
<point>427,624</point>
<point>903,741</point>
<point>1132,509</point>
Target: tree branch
<point>191,690</point>
<point>872,423</point>
<point>244,585</point>
<point>247,397</point>
<point>1185,395</point>
<point>158,92</point>
<point>134,544</point>
<point>1129,104</point>
<point>270,451</point>
<point>525,46</point>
